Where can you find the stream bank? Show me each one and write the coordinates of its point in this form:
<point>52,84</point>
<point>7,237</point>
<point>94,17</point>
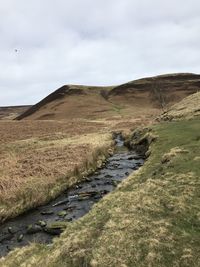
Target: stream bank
<point>43,223</point>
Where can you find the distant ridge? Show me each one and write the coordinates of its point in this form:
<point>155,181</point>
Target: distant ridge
<point>78,101</point>
<point>11,112</point>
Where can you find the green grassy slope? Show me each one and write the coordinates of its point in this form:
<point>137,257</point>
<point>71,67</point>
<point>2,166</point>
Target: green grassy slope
<point>151,220</point>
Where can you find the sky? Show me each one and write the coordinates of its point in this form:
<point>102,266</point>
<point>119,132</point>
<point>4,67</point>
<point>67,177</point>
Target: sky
<point>45,44</point>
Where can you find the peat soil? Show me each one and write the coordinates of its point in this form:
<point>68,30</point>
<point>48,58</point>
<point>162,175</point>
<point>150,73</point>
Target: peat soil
<point>35,225</point>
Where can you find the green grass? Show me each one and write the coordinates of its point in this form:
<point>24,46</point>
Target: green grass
<point>183,134</point>
<point>151,220</point>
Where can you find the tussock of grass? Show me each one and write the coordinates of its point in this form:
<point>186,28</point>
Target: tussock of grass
<point>151,220</point>
<point>174,152</point>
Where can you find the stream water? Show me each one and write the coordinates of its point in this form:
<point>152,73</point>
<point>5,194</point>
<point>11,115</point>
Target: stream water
<point>70,205</point>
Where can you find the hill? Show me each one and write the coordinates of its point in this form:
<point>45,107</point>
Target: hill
<point>69,101</point>
<point>141,97</point>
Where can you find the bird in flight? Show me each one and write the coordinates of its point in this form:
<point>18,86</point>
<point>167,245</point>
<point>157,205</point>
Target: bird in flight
<point>16,50</point>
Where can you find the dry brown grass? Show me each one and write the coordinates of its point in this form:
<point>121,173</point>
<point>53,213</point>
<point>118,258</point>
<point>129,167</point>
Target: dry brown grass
<point>21,130</point>
<point>37,159</point>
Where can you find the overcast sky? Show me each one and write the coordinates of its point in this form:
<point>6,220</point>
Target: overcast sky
<point>45,44</point>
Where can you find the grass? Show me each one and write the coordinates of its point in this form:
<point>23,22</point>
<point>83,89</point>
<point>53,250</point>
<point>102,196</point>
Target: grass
<point>151,220</point>
<point>187,108</point>
<point>34,170</point>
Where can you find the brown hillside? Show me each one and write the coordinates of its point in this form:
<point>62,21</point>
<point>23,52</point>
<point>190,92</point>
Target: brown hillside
<point>139,97</point>
<point>158,91</point>
<point>71,101</point>
<point>9,113</point>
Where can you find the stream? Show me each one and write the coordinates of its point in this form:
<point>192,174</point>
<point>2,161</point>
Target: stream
<point>70,205</point>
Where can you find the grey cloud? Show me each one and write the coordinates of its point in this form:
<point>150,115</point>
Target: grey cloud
<point>92,42</point>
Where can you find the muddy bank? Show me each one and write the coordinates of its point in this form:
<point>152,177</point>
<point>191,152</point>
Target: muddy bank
<point>43,223</point>
<point>140,141</point>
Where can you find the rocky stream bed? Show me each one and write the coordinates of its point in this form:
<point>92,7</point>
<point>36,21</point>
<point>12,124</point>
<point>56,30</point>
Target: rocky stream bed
<point>37,224</point>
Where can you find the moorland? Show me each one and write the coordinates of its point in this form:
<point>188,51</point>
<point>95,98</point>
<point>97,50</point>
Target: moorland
<point>153,217</point>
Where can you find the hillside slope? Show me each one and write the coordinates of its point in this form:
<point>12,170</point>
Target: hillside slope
<point>141,97</point>
<point>69,101</point>
<point>152,219</point>
<point>187,108</point>
<point>11,112</point>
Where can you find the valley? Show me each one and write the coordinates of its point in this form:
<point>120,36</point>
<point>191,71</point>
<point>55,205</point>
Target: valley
<point>51,150</point>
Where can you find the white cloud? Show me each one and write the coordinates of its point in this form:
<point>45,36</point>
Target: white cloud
<point>92,42</point>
